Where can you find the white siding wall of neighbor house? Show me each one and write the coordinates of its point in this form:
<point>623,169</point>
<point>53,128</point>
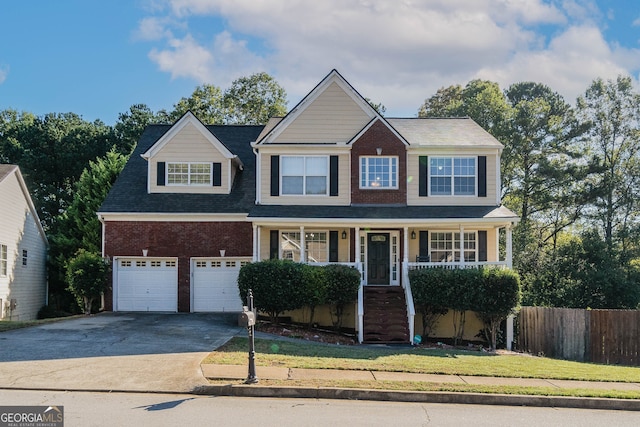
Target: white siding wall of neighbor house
<point>344,178</point>
<point>332,117</point>
<point>19,231</point>
<point>189,145</point>
<point>413,183</point>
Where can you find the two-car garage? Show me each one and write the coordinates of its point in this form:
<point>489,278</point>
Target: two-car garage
<point>151,284</point>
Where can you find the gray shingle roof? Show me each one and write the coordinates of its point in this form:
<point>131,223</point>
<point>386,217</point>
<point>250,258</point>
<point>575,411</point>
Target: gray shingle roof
<point>381,212</point>
<point>129,192</point>
<point>447,132</point>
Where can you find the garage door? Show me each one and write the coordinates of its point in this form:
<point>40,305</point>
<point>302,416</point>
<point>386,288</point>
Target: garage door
<point>215,284</point>
<point>146,284</point>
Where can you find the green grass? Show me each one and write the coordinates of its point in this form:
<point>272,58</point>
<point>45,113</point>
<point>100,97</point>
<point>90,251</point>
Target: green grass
<point>418,360</point>
<point>8,325</point>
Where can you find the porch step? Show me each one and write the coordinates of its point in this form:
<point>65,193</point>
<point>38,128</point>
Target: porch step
<point>385,315</point>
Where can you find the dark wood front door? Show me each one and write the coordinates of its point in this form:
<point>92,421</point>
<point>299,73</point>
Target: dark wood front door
<point>378,259</point>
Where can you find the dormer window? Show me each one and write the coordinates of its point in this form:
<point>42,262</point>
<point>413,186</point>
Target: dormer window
<point>188,173</point>
<point>379,172</point>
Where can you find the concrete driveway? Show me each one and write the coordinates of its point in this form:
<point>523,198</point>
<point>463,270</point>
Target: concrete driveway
<point>114,351</point>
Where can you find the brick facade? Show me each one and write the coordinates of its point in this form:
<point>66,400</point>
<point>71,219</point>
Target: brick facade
<point>177,239</point>
<point>378,136</point>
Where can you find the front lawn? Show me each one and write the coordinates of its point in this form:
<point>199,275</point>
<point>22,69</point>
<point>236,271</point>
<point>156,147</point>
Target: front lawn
<point>419,360</point>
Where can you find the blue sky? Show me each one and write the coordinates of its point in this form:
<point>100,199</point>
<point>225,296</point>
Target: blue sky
<point>97,58</point>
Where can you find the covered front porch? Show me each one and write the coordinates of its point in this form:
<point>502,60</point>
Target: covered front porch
<point>384,250</point>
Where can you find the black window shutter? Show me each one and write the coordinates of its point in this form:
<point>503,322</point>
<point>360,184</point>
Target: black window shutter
<point>333,246</point>
<point>482,245</point>
<point>422,175</point>
<point>160,177</point>
<point>274,244</point>
<point>217,174</point>
<point>482,176</point>
<point>424,246</point>
<point>333,177</point>
<point>275,175</point>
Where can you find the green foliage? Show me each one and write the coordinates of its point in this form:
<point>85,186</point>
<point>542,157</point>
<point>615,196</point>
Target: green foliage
<point>491,293</point>
<point>342,285</point>
<point>254,100</point>
<point>498,295</point>
<point>206,103</point>
<point>277,286</point>
<point>87,275</point>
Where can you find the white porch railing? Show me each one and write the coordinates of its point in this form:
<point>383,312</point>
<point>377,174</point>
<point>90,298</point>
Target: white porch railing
<point>456,265</point>
<point>411,310</point>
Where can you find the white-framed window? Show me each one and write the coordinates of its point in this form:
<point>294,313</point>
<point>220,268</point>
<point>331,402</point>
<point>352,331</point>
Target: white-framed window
<point>25,257</point>
<point>452,176</point>
<point>316,245</point>
<point>378,172</point>
<point>304,175</point>
<point>188,173</point>
<point>445,246</point>
<point>4,260</point>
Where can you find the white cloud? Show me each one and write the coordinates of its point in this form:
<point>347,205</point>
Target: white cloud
<point>152,28</point>
<point>4,72</point>
<point>397,52</point>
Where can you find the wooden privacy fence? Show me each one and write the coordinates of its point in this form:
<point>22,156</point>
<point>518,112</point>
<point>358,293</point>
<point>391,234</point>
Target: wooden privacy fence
<point>598,336</point>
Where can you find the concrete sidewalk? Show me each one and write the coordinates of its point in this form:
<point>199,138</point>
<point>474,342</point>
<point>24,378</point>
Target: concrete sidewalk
<point>236,373</point>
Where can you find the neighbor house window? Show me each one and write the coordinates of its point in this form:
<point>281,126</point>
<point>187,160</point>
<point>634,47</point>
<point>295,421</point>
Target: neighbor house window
<point>3,260</point>
<point>189,173</point>
<point>316,246</point>
<point>24,257</point>
<point>452,176</point>
<point>445,246</point>
<point>304,175</point>
<point>378,172</point>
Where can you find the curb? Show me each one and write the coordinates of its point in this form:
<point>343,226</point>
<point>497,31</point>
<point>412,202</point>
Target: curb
<point>242,390</point>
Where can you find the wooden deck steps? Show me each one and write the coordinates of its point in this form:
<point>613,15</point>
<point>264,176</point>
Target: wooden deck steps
<point>385,315</point>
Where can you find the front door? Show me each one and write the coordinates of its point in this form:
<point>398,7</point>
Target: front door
<point>378,259</point>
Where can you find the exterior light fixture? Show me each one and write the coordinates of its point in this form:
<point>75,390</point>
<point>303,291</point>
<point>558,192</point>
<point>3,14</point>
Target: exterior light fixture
<point>413,235</point>
<point>344,235</point>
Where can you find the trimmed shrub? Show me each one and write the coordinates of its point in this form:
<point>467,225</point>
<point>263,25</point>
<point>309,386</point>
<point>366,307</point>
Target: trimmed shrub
<point>87,276</point>
<point>277,286</point>
<point>429,296</point>
<point>342,283</point>
<point>498,296</point>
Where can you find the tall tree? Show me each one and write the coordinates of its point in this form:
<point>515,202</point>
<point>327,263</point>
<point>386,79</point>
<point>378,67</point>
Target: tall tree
<point>132,123</point>
<point>254,100</point>
<point>612,110</point>
<point>206,102</point>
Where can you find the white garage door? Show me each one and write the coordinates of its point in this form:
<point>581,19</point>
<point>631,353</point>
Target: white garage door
<point>215,284</point>
<point>146,284</point>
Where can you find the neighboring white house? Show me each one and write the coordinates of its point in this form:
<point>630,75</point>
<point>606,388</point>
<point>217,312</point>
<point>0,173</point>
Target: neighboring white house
<point>23,250</point>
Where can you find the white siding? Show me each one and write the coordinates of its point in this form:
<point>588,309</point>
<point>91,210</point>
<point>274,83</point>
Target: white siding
<point>332,117</point>
<point>19,231</point>
<point>190,145</point>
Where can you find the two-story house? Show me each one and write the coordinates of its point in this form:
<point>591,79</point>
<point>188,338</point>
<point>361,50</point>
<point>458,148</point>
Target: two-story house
<point>332,181</point>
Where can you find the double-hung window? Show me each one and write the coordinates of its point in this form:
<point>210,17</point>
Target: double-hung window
<point>305,175</point>
<point>379,172</point>
<point>3,260</point>
<point>452,176</point>
<point>315,242</point>
<point>189,173</point>
<point>445,246</point>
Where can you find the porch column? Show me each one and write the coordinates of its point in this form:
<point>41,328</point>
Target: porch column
<point>497,233</point>
<point>509,247</point>
<point>405,257</point>
<point>461,247</point>
<point>303,255</point>
<point>256,243</point>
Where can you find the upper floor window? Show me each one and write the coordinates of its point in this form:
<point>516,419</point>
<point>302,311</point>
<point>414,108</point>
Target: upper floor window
<point>452,176</point>
<point>3,260</point>
<point>189,173</point>
<point>304,175</point>
<point>379,172</point>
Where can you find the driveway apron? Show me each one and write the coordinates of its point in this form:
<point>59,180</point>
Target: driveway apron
<point>114,351</point>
